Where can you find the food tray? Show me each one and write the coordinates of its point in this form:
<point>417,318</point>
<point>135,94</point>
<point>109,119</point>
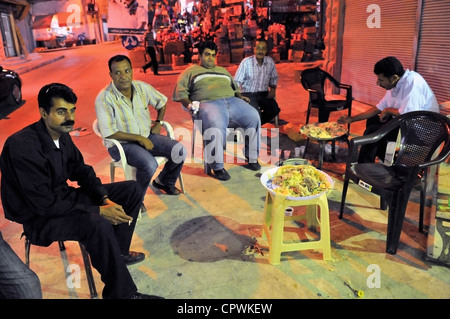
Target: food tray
<point>266,181</point>
<point>324,131</point>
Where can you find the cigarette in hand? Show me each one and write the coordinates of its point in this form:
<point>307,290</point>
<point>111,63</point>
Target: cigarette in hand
<point>129,222</point>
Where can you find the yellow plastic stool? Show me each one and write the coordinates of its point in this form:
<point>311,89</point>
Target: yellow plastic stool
<point>273,227</point>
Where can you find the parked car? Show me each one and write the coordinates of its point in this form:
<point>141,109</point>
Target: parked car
<point>10,87</point>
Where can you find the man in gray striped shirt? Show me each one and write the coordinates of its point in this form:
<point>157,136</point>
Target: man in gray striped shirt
<point>257,77</point>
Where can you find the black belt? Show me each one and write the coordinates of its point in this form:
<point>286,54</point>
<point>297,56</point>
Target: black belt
<point>255,93</point>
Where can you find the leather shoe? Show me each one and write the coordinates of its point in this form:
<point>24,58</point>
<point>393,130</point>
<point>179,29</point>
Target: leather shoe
<point>221,174</point>
<point>253,166</point>
<point>138,295</point>
<point>133,257</point>
<point>170,190</point>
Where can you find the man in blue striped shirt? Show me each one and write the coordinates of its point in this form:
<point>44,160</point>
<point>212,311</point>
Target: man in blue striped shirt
<point>257,77</point>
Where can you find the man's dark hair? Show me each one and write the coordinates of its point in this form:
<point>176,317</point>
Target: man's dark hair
<point>388,67</point>
<point>118,58</point>
<point>55,90</point>
<point>207,45</point>
<point>260,40</point>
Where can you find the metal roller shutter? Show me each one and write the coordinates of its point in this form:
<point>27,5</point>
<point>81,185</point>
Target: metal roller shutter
<point>433,56</point>
<point>364,46</point>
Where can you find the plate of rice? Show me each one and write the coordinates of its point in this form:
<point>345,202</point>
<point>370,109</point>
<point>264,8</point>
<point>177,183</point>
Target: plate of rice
<point>324,131</point>
<point>297,182</point>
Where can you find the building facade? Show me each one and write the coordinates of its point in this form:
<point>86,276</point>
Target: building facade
<point>359,33</point>
<point>356,35</point>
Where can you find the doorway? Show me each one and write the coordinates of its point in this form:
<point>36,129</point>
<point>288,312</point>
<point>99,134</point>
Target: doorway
<point>7,35</point>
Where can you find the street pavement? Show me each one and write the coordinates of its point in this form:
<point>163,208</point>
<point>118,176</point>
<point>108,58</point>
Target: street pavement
<point>197,244</point>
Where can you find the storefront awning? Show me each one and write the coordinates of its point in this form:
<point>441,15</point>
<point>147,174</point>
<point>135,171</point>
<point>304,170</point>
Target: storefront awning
<point>64,19</point>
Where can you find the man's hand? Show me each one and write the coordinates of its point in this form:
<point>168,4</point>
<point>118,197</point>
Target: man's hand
<point>145,143</point>
<point>387,114</point>
<point>114,213</point>
<point>344,119</point>
<point>156,128</point>
<point>384,116</point>
<point>245,98</point>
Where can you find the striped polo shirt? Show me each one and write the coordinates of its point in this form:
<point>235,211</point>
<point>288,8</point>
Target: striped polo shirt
<point>198,83</point>
<point>116,113</point>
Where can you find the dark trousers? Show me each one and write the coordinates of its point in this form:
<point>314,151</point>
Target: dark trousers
<point>267,108</point>
<point>17,281</point>
<point>153,62</point>
<point>104,242</point>
<point>369,152</point>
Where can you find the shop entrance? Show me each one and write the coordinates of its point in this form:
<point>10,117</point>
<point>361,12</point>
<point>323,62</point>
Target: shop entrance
<point>7,35</point>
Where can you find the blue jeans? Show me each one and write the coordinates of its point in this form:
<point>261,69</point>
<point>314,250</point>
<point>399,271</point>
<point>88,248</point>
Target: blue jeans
<point>216,116</point>
<point>17,281</point>
<point>146,164</point>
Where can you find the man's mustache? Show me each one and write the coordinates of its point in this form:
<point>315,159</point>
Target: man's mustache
<point>68,122</point>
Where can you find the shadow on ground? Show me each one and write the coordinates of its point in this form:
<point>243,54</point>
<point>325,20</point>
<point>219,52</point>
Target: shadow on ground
<point>207,239</point>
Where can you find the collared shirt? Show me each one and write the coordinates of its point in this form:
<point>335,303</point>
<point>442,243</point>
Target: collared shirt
<point>115,112</point>
<point>198,83</point>
<point>252,77</point>
<point>412,93</point>
<point>35,174</point>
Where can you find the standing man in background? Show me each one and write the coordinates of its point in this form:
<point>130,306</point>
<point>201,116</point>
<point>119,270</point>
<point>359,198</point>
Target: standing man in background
<point>150,47</point>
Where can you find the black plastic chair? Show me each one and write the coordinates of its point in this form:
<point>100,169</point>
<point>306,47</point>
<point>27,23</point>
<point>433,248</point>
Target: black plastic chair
<point>86,261</point>
<point>422,133</point>
<point>313,80</point>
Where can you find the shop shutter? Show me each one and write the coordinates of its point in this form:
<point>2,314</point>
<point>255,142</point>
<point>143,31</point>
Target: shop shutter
<point>433,56</point>
<point>364,46</point>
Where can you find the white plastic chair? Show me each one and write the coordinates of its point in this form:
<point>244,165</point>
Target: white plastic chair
<point>130,171</point>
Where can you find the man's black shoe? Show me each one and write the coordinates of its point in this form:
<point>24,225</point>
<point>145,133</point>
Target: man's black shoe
<point>253,166</point>
<point>221,174</point>
<point>170,190</point>
<point>133,257</point>
<point>138,295</point>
